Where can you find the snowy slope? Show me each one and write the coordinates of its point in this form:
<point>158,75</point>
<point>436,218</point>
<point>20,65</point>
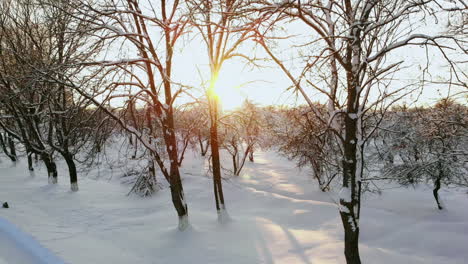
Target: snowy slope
<point>278,216</point>
<point>19,248</point>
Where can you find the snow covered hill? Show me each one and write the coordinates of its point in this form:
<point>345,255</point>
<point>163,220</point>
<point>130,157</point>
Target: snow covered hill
<point>278,215</point>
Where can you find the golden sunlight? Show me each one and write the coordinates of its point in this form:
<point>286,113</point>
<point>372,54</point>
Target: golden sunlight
<point>227,92</point>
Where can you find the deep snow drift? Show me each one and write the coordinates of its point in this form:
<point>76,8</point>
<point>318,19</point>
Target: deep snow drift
<point>278,215</point>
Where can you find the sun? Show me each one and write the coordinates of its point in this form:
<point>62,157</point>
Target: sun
<point>230,97</point>
<point>228,92</point>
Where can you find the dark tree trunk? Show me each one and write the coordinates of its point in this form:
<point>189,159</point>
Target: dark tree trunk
<point>242,162</point>
<point>177,191</point>
<point>135,149</point>
<point>178,199</point>
<point>152,170</point>
<point>350,205</point>
<point>51,168</point>
<point>203,149</point>
<point>30,161</point>
<point>217,184</point>
<point>437,184</point>
<point>72,172</point>
<point>351,244</point>
<point>11,144</point>
<point>436,193</point>
<point>351,201</point>
<point>234,164</point>
<point>98,146</point>
<point>182,153</point>
<point>251,156</point>
<point>206,148</point>
<point>5,150</point>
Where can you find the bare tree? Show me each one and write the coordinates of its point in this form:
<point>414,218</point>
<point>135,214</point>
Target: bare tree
<point>24,51</point>
<point>9,149</point>
<point>69,114</point>
<point>190,122</point>
<point>300,137</point>
<point>242,132</point>
<point>430,146</point>
<point>43,43</point>
<point>202,131</point>
<point>353,44</point>
<point>140,30</point>
<point>224,26</point>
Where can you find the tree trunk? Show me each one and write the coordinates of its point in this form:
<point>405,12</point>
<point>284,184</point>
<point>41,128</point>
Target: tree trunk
<point>217,184</point>
<point>178,199</point>
<point>152,170</point>
<point>98,146</point>
<point>242,163</point>
<point>203,149</point>
<point>317,170</point>
<point>5,150</point>
<point>30,161</point>
<point>251,156</point>
<point>152,174</point>
<point>182,153</point>
<point>177,191</point>
<point>51,168</point>
<point>436,189</point>
<point>135,149</point>
<point>436,193</point>
<point>72,172</point>
<point>350,199</point>
<point>11,144</point>
<point>234,164</point>
<point>206,148</point>
<point>351,243</point>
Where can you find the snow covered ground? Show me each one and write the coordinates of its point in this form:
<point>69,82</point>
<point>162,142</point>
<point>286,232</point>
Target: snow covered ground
<point>20,248</point>
<point>277,216</point>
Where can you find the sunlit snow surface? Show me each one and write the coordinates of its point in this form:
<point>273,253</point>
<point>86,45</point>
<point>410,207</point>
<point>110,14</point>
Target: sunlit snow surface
<point>277,215</point>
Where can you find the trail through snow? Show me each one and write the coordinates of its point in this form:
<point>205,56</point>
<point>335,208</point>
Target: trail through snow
<point>278,216</point>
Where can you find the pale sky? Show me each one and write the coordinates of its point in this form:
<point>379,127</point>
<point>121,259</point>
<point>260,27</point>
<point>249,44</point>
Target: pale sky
<point>267,85</point>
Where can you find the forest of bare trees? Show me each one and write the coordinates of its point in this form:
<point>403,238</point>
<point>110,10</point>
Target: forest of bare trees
<point>77,75</point>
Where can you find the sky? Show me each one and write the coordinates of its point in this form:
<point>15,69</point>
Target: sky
<point>268,85</point>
